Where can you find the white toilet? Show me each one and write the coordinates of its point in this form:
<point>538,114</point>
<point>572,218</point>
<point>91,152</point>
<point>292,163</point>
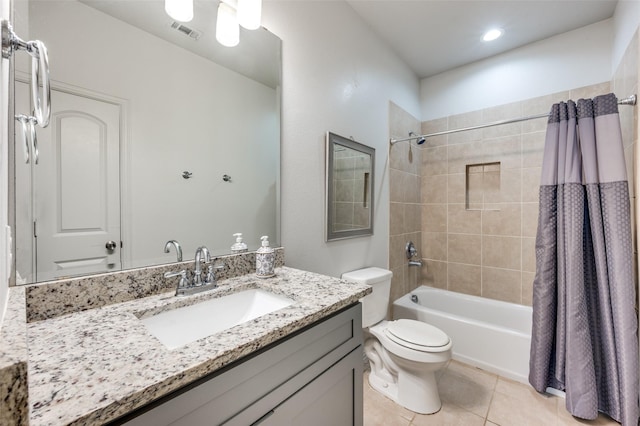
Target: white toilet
<point>404,354</point>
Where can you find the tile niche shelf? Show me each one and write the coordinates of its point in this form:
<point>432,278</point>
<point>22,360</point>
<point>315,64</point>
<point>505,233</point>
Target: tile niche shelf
<point>482,186</point>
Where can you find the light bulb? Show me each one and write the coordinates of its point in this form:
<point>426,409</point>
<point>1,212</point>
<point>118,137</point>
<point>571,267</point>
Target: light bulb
<point>227,29</point>
<point>180,10</point>
<point>492,34</point>
<point>249,12</point>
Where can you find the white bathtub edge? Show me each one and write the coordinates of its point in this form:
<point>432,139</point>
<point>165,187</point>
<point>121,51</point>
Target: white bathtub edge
<point>491,368</point>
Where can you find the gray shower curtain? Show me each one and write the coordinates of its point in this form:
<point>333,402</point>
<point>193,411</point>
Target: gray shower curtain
<point>584,336</point>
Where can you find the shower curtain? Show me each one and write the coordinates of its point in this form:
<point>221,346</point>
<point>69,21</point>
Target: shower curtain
<point>584,336</point>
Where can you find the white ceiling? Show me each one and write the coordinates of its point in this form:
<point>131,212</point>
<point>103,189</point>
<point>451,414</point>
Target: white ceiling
<point>433,36</point>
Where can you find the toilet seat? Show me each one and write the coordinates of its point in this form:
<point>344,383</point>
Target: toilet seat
<point>417,335</point>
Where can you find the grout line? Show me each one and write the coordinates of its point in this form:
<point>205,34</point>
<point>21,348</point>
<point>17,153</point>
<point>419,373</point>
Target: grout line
<point>486,417</point>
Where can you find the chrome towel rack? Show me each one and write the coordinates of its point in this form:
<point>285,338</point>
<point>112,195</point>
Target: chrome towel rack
<point>30,139</point>
<point>40,86</point>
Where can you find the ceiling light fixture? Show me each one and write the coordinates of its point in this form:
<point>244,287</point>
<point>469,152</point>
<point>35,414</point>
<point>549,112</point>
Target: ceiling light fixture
<point>231,14</point>
<point>492,34</point>
<point>249,13</point>
<point>180,10</point>
<point>227,29</point>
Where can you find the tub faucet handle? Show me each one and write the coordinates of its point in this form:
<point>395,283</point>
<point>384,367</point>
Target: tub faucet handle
<point>412,253</point>
<point>411,250</point>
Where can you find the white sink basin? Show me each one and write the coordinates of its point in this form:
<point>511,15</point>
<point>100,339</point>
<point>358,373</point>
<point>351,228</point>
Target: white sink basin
<point>180,326</point>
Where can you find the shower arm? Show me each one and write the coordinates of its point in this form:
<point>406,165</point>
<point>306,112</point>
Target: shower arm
<point>420,139</point>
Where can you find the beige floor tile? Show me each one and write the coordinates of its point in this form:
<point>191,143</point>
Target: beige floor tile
<point>517,404</point>
<point>484,378</point>
<point>467,387</point>
<point>381,411</point>
<point>449,415</point>
<point>565,419</point>
<point>465,390</point>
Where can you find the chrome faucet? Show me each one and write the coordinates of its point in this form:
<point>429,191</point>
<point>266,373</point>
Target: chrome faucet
<point>197,273</point>
<point>197,284</point>
<point>176,245</point>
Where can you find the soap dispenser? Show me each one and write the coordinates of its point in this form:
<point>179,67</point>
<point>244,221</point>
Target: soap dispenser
<point>265,259</point>
<point>239,246</point>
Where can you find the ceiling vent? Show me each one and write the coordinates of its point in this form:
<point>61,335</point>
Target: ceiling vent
<point>194,34</point>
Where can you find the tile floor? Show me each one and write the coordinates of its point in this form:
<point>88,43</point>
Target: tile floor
<point>471,397</point>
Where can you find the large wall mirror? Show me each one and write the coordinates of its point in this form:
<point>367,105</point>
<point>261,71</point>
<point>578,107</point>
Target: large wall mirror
<point>349,188</point>
<point>157,133</point>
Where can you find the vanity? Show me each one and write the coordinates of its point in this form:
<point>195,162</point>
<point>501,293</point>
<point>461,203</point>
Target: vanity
<point>101,364</point>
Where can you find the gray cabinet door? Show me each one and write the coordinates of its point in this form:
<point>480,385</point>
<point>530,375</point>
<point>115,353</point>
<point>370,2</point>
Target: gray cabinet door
<point>333,398</point>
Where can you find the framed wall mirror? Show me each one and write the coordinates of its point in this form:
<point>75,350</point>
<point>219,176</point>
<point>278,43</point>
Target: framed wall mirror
<point>349,188</point>
<point>157,133</point>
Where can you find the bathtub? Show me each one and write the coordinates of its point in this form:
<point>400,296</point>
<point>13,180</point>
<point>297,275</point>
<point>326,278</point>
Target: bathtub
<point>486,333</point>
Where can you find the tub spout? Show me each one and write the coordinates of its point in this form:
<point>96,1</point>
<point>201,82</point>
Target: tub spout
<point>415,263</point>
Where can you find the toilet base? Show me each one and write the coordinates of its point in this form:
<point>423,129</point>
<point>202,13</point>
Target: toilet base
<point>386,388</point>
<point>407,383</point>
<point>418,394</point>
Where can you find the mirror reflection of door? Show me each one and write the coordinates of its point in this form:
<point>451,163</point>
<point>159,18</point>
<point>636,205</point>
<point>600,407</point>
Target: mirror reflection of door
<point>74,226</point>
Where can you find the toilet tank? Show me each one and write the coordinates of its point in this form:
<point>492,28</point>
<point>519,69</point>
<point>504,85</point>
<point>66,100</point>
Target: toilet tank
<point>374,305</point>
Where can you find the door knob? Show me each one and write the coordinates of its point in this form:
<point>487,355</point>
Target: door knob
<point>111,245</point>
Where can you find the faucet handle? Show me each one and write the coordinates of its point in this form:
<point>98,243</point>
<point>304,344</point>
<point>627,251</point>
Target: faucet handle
<point>183,277</point>
<point>211,274</point>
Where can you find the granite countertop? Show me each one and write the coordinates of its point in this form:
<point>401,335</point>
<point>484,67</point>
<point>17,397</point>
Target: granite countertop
<point>93,366</point>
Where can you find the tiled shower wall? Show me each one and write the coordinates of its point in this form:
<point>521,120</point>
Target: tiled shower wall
<point>476,234</point>
<point>405,166</point>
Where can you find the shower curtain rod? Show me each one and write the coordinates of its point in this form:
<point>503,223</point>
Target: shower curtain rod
<point>631,100</point>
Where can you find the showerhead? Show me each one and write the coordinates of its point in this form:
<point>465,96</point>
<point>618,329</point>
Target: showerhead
<point>419,139</point>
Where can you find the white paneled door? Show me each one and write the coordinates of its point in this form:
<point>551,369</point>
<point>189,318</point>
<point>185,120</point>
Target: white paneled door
<point>76,186</point>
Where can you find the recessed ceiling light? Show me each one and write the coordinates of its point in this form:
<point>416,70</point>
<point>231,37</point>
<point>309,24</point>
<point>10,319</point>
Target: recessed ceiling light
<point>492,34</point>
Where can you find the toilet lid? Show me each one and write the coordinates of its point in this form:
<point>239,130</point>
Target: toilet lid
<point>416,335</point>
